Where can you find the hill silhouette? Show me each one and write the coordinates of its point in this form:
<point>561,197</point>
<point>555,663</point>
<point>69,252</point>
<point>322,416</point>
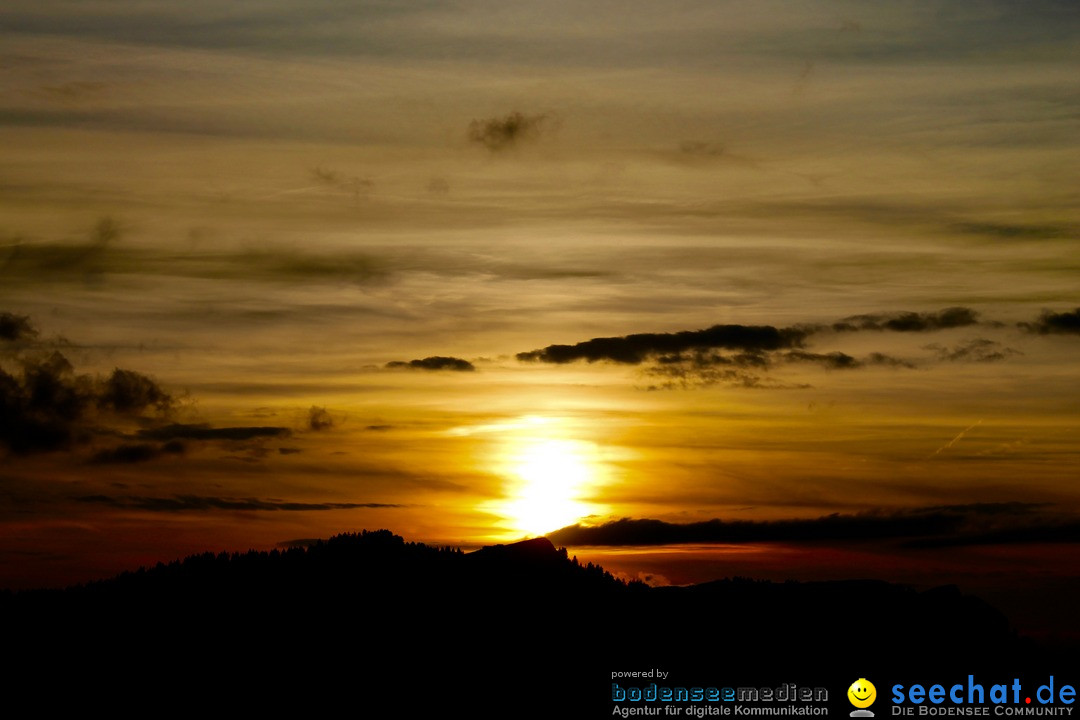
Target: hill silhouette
<point>371,613</point>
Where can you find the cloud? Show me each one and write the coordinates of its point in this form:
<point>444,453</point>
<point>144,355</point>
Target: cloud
<point>127,391</point>
<point>1012,231</point>
<point>130,453</point>
<point>50,407</point>
<point>876,358</point>
<point>201,503</point>
<point>502,133</point>
<point>202,431</point>
<point>437,362</point>
<point>319,419</point>
<point>843,361</point>
<point>705,369</point>
<point>953,524</point>
<point>1055,323</point>
<point>910,321</point>
<point>16,327</point>
<point>680,378</point>
<point>51,261</point>
<point>833,360</point>
<point>977,350</point>
<point>36,262</point>
<point>350,184</point>
<point>754,340</point>
<point>633,349</point>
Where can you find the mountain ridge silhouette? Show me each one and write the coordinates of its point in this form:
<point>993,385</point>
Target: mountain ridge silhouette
<point>521,615</point>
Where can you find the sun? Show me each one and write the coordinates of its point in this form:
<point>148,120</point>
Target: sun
<point>547,481</point>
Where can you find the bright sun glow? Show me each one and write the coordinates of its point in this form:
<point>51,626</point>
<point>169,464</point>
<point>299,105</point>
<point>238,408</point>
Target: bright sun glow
<point>548,479</point>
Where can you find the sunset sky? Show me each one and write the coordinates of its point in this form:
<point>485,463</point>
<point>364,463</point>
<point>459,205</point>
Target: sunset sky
<point>833,249</point>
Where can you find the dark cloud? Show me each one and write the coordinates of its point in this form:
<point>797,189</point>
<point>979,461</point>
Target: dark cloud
<point>633,349</point>
<point>755,341</point>
<point>843,361</point>
<point>16,327</point>
<point>1012,231</point>
<point>705,369</point>
<point>50,407</point>
<point>130,453</point>
<point>502,133</point>
<point>85,260</point>
<point>319,419</point>
<point>1055,323</point>
<point>437,362</point>
<point>202,431</point>
<point>26,262</point>
<point>288,451</point>
<point>877,358</point>
<point>684,380</point>
<point>954,524</point>
<point>700,359</point>
<point>977,350</point>
<point>910,321</point>
<point>127,391</point>
<point>833,360</point>
<point>201,503</point>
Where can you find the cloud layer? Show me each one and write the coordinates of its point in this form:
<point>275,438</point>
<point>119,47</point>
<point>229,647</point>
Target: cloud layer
<point>977,523</point>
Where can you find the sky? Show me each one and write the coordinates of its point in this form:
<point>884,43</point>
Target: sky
<point>477,271</point>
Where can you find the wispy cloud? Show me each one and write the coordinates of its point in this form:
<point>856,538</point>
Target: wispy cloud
<point>974,523</point>
<point>502,133</point>
<point>203,503</point>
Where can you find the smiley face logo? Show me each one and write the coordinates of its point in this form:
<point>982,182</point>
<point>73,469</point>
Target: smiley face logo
<point>862,693</point>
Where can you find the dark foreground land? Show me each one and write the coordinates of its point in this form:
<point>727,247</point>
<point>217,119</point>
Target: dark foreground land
<point>368,620</point>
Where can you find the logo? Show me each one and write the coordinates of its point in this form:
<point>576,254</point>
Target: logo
<point>862,695</point>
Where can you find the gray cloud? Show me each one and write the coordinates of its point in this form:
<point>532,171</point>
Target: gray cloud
<point>1052,323</point>
<point>953,317</point>
<point>202,431</point>
<point>633,349</point>
<point>833,360</point>
<point>16,327</point>
<point>319,418</point>
<point>130,453</point>
<point>127,391</point>
<point>437,362</point>
<point>977,350</point>
<point>1012,231</point>
<point>502,133</point>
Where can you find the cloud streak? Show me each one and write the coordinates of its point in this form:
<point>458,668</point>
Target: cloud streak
<point>952,524</point>
<point>953,317</point>
<point>204,431</point>
<point>436,362</point>
<point>634,349</point>
<point>203,503</point>
<point>130,453</point>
